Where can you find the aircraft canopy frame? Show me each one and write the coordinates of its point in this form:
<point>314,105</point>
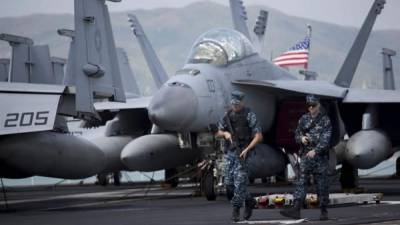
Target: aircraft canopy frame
<point>220,47</point>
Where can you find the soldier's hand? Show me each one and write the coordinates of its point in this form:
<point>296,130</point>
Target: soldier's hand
<point>243,154</point>
<point>311,154</point>
<point>228,136</point>
<point>305,140</point>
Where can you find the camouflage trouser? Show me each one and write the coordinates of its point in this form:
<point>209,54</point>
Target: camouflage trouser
<point>236,176</point>
<point>318,167</point>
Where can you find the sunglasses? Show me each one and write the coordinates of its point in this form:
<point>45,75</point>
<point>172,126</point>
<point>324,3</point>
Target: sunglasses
<point>311,105</point>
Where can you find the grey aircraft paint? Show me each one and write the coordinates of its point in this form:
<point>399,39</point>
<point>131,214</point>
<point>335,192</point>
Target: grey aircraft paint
<point>198,95</point>
<point>54,153</point>
<point>193,100</point>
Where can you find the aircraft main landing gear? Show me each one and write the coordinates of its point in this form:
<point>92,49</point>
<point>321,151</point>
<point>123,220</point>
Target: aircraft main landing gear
<point>208,184</point>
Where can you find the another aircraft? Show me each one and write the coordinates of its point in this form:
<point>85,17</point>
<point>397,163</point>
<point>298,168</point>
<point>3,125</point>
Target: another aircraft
<point>96,151</point>
<point>29,145</point>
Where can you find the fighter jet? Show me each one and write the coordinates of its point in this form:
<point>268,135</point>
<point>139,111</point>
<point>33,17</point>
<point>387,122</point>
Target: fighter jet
<point>29,145</point>
<point>190,103</point>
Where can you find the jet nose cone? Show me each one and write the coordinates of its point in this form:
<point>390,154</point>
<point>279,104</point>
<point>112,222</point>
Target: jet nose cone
<point>173,107</point>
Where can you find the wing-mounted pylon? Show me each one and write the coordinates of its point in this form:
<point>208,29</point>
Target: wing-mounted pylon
<point>157,70</point>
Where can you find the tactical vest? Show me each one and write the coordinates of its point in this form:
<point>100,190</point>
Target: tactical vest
<point>240,126</point>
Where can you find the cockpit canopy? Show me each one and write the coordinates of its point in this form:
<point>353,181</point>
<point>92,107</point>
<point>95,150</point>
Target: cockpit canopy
<point>219,47</point>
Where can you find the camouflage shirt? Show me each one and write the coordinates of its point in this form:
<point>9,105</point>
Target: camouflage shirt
<point>319,132</point>
<point>251,119</point>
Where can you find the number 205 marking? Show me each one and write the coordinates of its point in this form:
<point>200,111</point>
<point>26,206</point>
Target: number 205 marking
<point>26,119</point>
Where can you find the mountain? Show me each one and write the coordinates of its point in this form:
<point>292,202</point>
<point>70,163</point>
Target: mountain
<point>172,31</point>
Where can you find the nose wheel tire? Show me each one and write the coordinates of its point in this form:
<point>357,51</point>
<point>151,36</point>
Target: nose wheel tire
<point>208,183</point>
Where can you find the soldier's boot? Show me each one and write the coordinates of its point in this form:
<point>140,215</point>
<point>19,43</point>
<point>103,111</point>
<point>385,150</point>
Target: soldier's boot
<point>293,212</point>
<point>324,214</point>
<point>235,214</point>
<point>248,208</point>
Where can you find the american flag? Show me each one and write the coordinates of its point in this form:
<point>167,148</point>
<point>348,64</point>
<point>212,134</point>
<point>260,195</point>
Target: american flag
<point>296,55</point>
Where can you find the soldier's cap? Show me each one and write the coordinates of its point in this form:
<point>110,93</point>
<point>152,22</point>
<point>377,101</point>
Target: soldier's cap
<point>236,97</point>
<point>312,100</point>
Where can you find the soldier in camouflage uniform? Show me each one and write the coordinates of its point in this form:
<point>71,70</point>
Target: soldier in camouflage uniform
<point>241,130</point>
<point>314,134</point>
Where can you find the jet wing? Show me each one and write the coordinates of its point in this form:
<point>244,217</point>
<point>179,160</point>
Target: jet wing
<point>133,103</point>
<point>324,89</point>
<point>31,88</point>
<point>36,109</point>
<point>293,88</point>
<point>372,96</point>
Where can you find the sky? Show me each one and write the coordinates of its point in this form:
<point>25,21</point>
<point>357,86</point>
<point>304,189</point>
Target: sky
<point>343,12</point>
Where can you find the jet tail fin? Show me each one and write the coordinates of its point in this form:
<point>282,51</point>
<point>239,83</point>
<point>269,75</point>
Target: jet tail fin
<point>29,63</point>
<point>69,78</point>
<point>128,78</point>
<point>260,27</point>
<point>57,66</point>
<point>4,69</point>
<point>157,70</point>
<point>93,56</point>
<point>346,72</point>
<point>239,17</point>
<point>388,82</point>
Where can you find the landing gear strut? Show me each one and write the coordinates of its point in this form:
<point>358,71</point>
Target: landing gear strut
<point>348,176</point>
<point>104,178</point>
<point>117,178</point>
<point>171,177</point>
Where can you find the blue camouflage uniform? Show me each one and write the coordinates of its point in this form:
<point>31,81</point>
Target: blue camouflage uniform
<point>319,131</point>
<point>236,169</point>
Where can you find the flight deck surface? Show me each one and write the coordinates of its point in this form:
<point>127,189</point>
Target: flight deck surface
<point>145,204</point>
